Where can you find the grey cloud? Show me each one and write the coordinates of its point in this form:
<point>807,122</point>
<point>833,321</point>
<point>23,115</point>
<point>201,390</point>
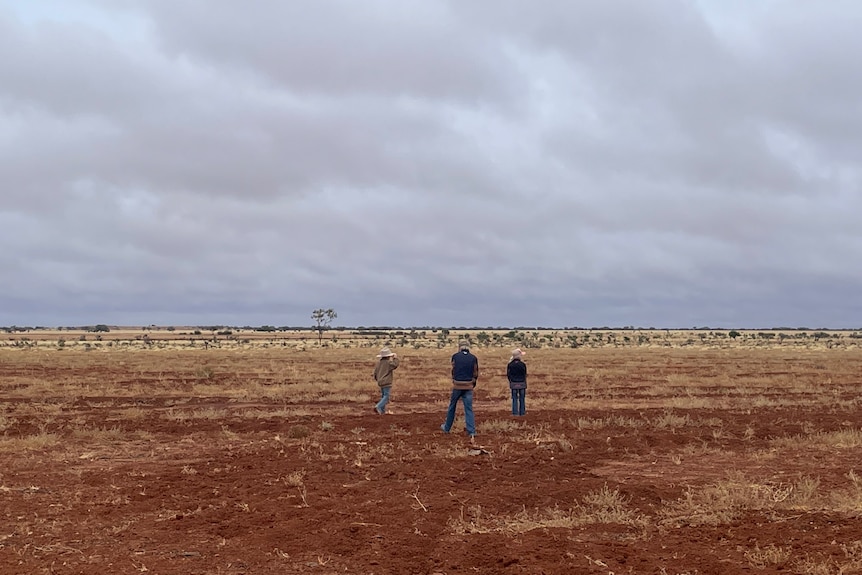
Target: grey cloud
<point>70,70</point>
<point>418,49</point>
<point>591,163</point>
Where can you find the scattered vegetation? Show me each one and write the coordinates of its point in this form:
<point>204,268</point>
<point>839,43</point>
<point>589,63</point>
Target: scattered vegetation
<point>627,443</point>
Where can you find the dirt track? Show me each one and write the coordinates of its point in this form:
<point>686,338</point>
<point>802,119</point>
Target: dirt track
<point>206,483</point>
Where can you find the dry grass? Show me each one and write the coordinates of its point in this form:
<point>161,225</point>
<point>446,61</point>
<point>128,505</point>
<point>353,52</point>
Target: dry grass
<point>583,377</point>
<point>35,442</point>
<point>296,479</point>
<point>500,426</point>
<point>841,439</point>
<point>769,555</point>
<point>603,506</point>
<point>635,408</point>
<point>818,564</point>
<point>725,501</point>
<point>98,434</point>
<point>670,420</point>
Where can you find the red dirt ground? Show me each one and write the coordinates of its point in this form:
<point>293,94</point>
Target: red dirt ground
<point>128,486</point>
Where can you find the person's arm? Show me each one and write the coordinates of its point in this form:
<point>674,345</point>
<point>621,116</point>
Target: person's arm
<point>394,361</point>
<point>475,372</point>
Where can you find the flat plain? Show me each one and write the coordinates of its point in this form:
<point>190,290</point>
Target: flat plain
<point>696,452</point>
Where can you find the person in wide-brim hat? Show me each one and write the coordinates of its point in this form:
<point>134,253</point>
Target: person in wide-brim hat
<point>387,362</point>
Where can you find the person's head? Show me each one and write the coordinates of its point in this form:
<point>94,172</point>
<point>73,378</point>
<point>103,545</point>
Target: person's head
<point>463,344</point>
<point>385,352</point>
<point>517,353</point>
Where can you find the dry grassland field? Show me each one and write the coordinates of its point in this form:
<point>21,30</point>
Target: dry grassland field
<point>692,452</point>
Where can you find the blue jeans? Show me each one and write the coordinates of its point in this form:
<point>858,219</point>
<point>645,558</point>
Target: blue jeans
<point>465,395</point>
<point>384,399</point>
<point>519,406</point>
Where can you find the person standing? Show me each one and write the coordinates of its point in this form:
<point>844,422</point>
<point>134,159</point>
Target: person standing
<point>387,362</point>
<point>516,371</point>
<point>465,374</point>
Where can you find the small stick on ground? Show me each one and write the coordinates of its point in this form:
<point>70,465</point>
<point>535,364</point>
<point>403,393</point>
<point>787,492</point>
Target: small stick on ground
<point>416,497</point>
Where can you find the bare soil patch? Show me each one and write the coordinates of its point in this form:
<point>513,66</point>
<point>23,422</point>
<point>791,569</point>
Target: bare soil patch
<point>267,460</point>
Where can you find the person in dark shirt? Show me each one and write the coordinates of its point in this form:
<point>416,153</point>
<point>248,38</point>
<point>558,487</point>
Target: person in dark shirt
<point>465,374</point>
<point>516,371</point>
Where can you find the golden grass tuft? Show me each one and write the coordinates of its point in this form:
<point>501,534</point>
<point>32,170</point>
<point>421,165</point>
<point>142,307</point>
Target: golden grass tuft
<point>603,506</point>
<point>841,439</point>
<point>35,442</point>
<point>500,425</point>
<point>821,564</point>
<point>723,501</point>
<point>767,556</point>
<point>98,434</point>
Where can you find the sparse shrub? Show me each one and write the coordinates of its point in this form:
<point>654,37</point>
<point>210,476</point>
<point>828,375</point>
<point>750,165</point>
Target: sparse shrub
<point>768,555</point>
<point>298,431</point>
<point>205,372</point>
<point>669,420</point>
<point>607,506</point>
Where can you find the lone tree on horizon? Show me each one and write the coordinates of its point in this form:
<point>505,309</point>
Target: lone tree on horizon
<point>322,319</point>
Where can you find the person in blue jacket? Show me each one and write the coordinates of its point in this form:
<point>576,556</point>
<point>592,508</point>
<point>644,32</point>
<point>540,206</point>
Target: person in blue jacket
<point>465,374</point>
<point>516,371</point>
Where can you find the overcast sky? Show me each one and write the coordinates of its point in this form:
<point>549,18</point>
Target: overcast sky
<point>651,163</point>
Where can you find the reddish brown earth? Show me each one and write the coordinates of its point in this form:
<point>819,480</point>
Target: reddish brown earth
<point>281,486</point>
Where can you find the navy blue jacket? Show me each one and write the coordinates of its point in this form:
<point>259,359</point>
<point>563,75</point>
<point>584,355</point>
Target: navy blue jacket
<point>465,366</point>
<point>516,371</point>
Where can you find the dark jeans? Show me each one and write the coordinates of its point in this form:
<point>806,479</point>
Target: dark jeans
<point>519,406</point>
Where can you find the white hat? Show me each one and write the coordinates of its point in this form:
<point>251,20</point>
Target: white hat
<point>385,352</point>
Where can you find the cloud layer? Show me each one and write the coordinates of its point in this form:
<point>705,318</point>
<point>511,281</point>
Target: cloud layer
<point>668,164</point>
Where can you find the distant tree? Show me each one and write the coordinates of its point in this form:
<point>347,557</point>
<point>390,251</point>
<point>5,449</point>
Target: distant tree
<point>100,327</point>
<point>733,334</point>
<point>322,320</point>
